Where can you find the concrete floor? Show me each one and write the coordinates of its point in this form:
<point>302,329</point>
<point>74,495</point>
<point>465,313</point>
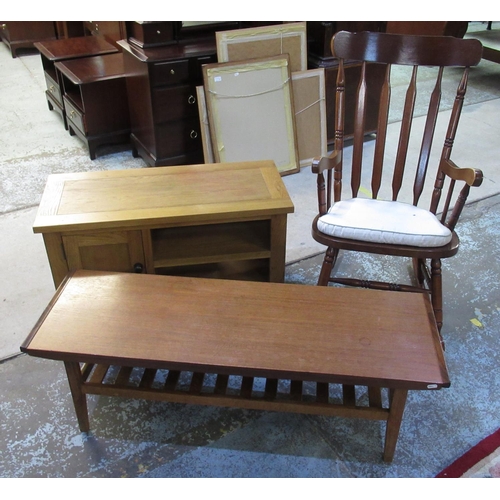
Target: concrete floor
<point>39,435</point>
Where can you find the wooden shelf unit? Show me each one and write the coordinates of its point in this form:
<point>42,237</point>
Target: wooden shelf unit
<point>219,220</point>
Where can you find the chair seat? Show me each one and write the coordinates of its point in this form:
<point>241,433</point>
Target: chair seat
<point>388,222</point>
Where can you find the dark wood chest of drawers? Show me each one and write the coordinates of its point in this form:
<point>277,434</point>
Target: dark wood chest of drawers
<point>23,34</point>
<point>161,88</point>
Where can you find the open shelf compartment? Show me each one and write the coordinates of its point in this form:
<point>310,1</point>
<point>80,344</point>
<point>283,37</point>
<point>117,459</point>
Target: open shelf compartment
<point>211,243</point>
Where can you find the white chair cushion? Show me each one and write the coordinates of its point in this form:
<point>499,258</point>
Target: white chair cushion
<point>380,221</point>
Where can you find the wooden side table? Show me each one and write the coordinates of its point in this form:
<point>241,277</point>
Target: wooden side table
<point>52,51</point>
<point>219,220</point>
<point>95,99</point>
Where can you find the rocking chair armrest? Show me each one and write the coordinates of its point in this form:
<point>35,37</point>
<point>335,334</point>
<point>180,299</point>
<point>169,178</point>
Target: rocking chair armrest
<point>472,176</point>
<point>322,163</point>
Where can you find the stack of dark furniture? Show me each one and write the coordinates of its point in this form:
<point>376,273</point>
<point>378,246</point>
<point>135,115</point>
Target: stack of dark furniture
<point>145,94</point>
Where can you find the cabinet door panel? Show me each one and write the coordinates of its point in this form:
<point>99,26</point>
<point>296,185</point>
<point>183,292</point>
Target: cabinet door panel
<point>118,251</point>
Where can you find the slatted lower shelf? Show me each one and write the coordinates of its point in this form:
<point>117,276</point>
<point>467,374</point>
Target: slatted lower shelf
<point>256,393</point>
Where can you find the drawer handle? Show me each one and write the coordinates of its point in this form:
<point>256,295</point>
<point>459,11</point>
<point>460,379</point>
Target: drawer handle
<point>191,99</point>
<point>138,268</point>
<point>172,71</point>
<point>193,134</point>
<point>52,88</point>
<point>158,32</point>
<point>72,114</point>
<point>3,26</point>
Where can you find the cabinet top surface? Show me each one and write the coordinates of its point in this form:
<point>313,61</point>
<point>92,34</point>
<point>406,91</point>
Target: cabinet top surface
<point>93,69</point>
<point>232,325</point>
<point>170,52</point>
<point>68,48</point>
<point>162,196</point>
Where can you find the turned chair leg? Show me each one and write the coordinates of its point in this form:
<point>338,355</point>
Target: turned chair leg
<point>328,263</point>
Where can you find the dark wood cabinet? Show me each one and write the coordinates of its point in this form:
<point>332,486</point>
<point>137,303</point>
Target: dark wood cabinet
<point>112,31</point>
<point>95,100</point>
<point>145,34</point>
<point>161,87</point>
<point>319,34</point>
<point>69,29</point>
<point>163,61</point>
<point>23,34</point>
<point>54,51</point>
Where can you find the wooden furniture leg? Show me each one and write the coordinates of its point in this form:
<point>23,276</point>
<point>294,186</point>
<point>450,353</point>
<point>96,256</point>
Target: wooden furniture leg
<point>437,292</point>
<point>79,397</point>
<point>328,263</point>
<point>418,265</point>
<point>396,408</point>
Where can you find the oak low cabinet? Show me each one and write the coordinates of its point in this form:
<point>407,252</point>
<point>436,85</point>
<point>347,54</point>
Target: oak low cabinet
<point>238,250</point>
<point>219,221</point>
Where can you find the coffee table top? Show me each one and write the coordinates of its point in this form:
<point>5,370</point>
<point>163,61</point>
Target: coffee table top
<point>287,331</point>
<point>218,192</point>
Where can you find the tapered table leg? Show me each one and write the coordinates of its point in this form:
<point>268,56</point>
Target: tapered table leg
<point>79,397</point>
<point>396,409</point>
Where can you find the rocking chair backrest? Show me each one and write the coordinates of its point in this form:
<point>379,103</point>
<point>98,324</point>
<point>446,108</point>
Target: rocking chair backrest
<point>413,51</point>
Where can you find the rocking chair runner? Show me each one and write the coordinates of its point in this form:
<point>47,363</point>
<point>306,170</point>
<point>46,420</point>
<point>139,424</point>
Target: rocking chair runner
<point>391,227</point>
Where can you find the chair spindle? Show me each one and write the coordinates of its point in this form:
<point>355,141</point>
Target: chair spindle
<point>404,137</point>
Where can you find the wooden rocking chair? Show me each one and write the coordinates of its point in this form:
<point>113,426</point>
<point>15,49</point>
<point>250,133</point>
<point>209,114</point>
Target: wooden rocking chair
<point>391,227</point>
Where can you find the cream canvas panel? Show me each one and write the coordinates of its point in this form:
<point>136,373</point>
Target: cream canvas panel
<point>308,89</point>
<point>265,41</point>
<point>208,154</point>
<point>250,112</point>
<point>310,114</point>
